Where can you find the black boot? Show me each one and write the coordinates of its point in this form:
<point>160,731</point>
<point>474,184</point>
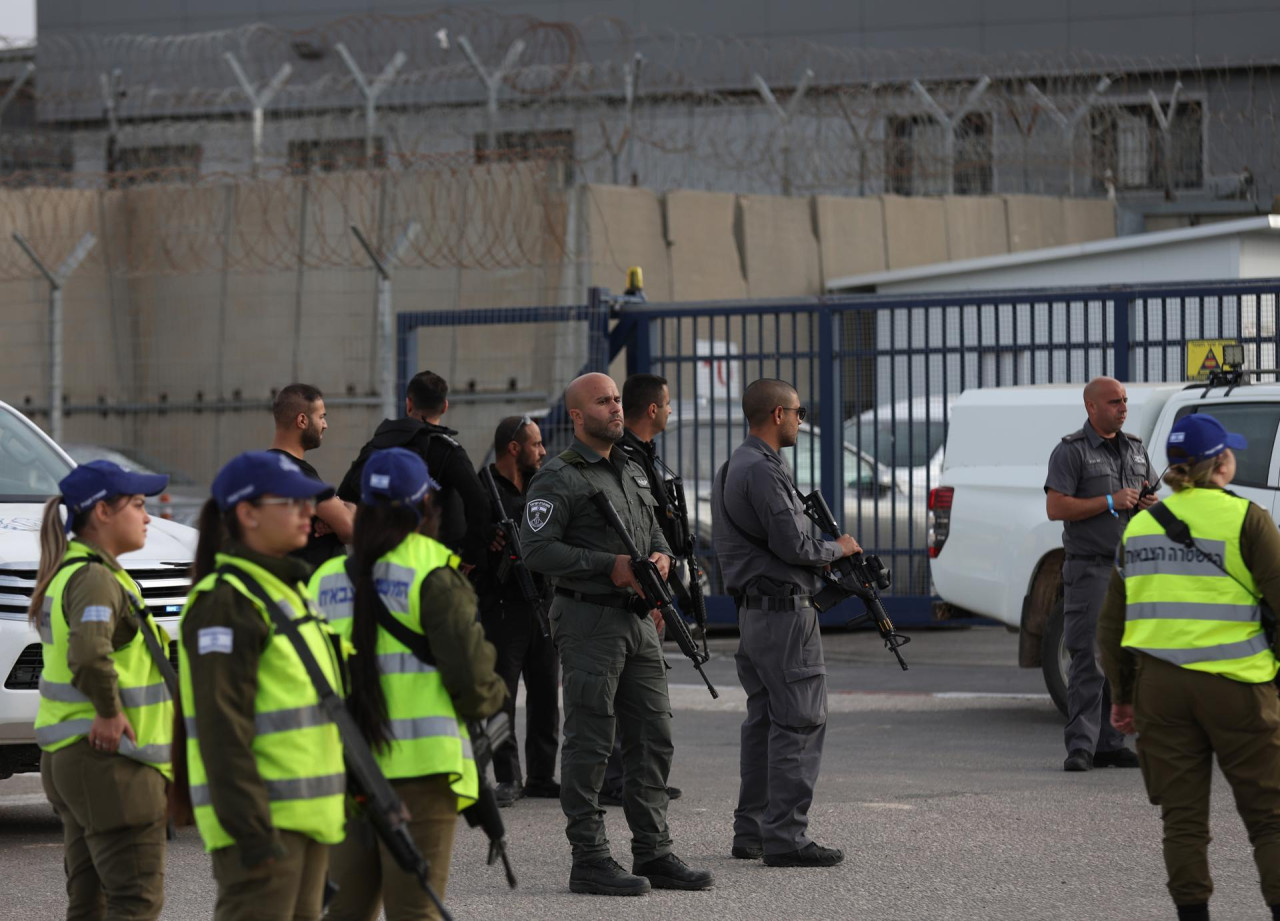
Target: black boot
<point>605,877</point>
<point>1197,912</point>
<point>670,872</point>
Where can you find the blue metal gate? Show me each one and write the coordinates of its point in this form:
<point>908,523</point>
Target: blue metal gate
<point>882,372</point>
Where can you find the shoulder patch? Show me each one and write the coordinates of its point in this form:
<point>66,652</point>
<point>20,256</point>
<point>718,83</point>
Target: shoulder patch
<point>570,456</point>
<point>96,614</point>
<point>214,639</point>
<point>538,512</point>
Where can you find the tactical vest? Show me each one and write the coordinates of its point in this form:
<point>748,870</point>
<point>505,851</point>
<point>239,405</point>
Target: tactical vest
<point>65,714</point>
<point>1182,608</point>
<point>297,748</point>
<point>427,736</point>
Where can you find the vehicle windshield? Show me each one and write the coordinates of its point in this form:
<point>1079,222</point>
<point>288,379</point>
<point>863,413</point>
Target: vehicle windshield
<point>29,467</point>
<point>899,442</point>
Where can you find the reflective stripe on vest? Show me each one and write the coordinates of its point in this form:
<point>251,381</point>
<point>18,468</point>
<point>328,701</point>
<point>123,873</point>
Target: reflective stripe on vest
<point>66,714</point>
<point>297,750</point>
<point>1180,606</point>
<point>427,736</point>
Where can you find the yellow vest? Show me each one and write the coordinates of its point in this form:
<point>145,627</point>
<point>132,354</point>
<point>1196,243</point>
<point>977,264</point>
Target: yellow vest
<point>1179,606</point>
<point>427,736</point>
<point>65,714</point>
<point>297,748</point>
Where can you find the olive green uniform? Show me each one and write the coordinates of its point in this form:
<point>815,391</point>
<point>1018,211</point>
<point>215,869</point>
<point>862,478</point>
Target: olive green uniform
<point>1185,717</point>
<point>112,807</point>
<point>367,875</point>
<point>292,885</point>
<point>613,664</point>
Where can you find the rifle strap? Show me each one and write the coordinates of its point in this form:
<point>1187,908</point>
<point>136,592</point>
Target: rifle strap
<point>289,629</point>
<point>1180,533</point>
<point>417,643</point>
<point>146,625</point>
<point>758,542</point>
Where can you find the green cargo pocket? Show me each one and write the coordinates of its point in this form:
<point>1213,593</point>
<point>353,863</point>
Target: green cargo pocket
<point>584,691</point>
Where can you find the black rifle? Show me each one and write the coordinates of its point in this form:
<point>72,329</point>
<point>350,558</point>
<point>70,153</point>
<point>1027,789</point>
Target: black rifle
<point>483,813</point>
<point>857,576</point>
<point>382,805</point>
<point>654,589</point>
<point>512,564</point>
<point>677,511</point>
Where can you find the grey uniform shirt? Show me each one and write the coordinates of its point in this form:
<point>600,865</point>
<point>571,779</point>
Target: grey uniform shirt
<point>1085,465</point>
<point>567,539</point>
<point>759,493</point>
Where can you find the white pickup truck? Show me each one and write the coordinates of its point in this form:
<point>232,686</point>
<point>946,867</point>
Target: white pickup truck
<point>995,552</point>
<point>30,467</point>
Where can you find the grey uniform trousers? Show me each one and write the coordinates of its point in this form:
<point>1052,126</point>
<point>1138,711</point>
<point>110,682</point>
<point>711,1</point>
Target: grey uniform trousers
<point>1084,586</point>
<point>614,674</point>
<point>782,669</point>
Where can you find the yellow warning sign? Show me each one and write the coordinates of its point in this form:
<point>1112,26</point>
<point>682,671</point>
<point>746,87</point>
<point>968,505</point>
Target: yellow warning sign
<point>1203,356</point>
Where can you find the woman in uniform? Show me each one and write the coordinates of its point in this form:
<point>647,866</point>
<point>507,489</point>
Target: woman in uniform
<point>1182,640</point>
<point>421,668</point>
<point>105,714</point>
<point>264,767</point>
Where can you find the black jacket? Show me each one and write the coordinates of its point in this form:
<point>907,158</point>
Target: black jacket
<point>463,503</point>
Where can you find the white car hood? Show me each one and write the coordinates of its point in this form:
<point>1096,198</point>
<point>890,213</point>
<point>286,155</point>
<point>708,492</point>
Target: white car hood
<point>167,541</point>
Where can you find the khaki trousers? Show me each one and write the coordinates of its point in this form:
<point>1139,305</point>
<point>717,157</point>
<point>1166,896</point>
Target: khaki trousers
<point>113,823</point>
<point>289,888</point>
<point>368,876</point>
<point>1184,718</point>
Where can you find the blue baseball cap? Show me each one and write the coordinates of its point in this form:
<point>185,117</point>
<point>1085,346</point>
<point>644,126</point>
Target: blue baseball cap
<point>1198,437</point>
<point>258,473</point>
<point>88,484</point>
<point>396,474</point>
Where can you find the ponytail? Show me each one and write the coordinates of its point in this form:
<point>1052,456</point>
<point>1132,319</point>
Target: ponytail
<point>216,528</point>
<point>379,529</point>
<point>53,547</point>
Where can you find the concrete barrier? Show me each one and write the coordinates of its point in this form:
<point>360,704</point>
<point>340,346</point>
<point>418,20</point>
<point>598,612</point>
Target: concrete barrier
<point>705,262</point>
<point>976,226</point>
<point>915,231</point>
<point>851,237</point>
<point>1035,222</point>
<point>1088,219</point>
<point>779,249</point>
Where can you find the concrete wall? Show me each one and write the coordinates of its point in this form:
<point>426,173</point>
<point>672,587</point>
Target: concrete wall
<point>153,316</point>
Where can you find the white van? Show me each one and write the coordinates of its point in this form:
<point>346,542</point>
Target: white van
<point>30,467</point>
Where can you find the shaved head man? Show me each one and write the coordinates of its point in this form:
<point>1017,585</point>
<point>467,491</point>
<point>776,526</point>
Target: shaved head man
<point>615,678</point>
<point>1094,486</point>
<point>772,566</point>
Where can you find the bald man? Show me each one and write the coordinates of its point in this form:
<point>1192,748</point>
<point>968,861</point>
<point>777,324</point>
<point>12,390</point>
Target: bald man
<point>1095,479</point>
<point>607,640</point>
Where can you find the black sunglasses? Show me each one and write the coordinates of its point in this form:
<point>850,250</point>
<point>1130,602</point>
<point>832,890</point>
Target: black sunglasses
<point>800,411</point>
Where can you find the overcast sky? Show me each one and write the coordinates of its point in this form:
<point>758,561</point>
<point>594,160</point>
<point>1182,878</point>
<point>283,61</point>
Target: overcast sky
<point>18,20</point>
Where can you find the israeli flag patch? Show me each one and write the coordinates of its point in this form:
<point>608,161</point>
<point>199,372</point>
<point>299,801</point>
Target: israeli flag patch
<point>96,614</point>
<point>213,639</point>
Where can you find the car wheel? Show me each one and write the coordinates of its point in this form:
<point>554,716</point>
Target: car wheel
<point>1055,661</point>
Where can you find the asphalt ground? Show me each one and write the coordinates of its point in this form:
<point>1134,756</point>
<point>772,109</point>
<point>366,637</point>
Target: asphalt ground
<point>943,785</point>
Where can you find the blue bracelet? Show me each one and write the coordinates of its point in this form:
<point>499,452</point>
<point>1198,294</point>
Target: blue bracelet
<point>1111,506</point>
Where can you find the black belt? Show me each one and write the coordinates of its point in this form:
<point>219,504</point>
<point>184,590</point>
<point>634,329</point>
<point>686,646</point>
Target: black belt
<point>622,600</point>
<point>770,603</point>
<point>1092,558</point>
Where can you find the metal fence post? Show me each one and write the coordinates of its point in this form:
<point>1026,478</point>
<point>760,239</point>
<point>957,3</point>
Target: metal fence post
<point>785,114</point>
<point>385,353</point>
<point>57,279</point>
<point>1067,123</point>
<point>258,101</point>
<point>492,81</point>
<point>949,121</point>
<point>371,92</point>
<point>830,410</point>
<point>1121,344</point>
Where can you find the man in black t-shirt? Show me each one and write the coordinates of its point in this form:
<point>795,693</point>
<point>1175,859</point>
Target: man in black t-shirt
<point>300,426</point>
